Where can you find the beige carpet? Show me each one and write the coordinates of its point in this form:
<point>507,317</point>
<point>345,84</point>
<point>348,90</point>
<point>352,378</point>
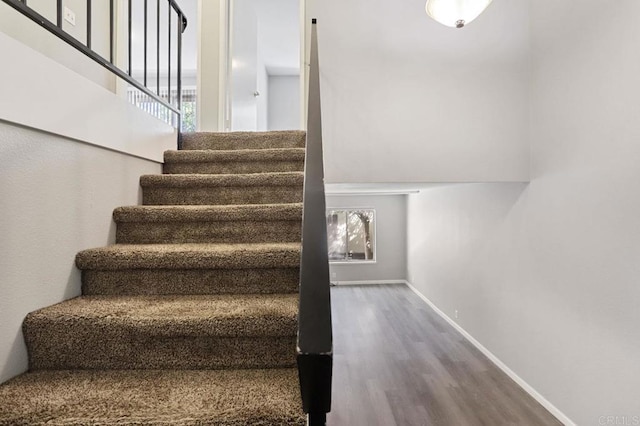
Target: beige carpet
<point>204,189</point>
<point>152,397</point>
<point>191,318</point>
<point>234,161</point>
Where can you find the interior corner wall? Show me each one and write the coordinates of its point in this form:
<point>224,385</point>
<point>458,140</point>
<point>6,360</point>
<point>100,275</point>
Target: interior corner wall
<point>57,199</point>
<point>211,54</point>
<point>390,244</point>
<point>262,86</point>
<point>545,275</point>
<point>284,102</point>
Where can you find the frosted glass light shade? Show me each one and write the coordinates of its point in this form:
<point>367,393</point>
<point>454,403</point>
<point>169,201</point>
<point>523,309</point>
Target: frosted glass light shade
<point>456,13</point>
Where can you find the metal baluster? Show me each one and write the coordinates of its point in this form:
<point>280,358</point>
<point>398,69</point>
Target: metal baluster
<point>145,43</point>
<point>179,94</point>
<point>129,38</point>
<point>88,23</point>
<point>59,13</point>
<point>169,51</point>
<point>167,105</point>
<point>158,50</point>
<point>54,26</point>
<point>111,31</point>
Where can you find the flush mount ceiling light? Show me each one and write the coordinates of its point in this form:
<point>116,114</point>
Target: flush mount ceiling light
<point>456,13</point>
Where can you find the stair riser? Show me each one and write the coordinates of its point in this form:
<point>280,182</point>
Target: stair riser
<point>189,282</point>
<point>208,232</point>
<point>218,196</point>
<point>234,167</point>
<point>60,346</point>
<point>248,140</point>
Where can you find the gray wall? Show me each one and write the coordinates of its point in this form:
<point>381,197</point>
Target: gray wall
<point>391,237</point>
<point>284,102</point>
<point>546,275</point>
<point>57,197</point>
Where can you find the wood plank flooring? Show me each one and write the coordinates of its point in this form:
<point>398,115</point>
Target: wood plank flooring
<point>396,362</point>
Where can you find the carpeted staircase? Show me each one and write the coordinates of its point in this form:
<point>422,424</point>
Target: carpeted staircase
<point>190,318</point>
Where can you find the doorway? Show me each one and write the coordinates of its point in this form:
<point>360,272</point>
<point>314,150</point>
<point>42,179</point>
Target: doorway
<point>264,68</point>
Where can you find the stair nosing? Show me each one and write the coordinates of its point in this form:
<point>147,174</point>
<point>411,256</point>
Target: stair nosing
<point>210,213</point>
<point>103,310</point>
<point>233,155</point>
<point>275,179</point>
<point>190,256</point>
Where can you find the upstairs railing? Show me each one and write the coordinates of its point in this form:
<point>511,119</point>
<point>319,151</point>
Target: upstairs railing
<point>168,108</point>
<point>315,342</point>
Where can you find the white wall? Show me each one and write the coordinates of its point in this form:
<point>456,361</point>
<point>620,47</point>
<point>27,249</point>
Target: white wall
<point>28,32</point>
<point>441,105</point>
<point>211,80</point>
<point>244,68</point>
<point>57,199</point>
<point>391,237</point>
<point>70,105</point>
<point>284,102</point>
<point>546,275</point>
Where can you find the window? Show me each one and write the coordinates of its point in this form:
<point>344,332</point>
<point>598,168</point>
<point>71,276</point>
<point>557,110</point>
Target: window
<point>188,105</point>
<point>351,235</point>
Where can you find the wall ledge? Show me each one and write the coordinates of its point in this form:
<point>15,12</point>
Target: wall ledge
<point>41,94</point>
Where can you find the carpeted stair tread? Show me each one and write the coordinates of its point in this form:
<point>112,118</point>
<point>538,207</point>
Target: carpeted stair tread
<point>238,161</point>
<point>243,140</point>
<point>225,180</point>
<point>242,212</point>
<point>190,256</point>
<point>151,397</point>
<point>164,332</point>
<point>205,156</point>
<point>211,315</point>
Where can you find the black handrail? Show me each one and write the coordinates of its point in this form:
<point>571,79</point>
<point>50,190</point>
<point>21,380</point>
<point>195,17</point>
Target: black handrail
<point>56,29</point>
<point>315,341</point>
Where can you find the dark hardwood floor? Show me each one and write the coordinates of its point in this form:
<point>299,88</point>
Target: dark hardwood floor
<point>396,362</point>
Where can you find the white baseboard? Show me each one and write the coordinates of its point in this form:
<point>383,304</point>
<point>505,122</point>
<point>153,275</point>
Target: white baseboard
<point>501,365</point>
<point>370,282</point>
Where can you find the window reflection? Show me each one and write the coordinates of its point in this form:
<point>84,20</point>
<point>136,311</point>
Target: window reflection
<point>351,235</point>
